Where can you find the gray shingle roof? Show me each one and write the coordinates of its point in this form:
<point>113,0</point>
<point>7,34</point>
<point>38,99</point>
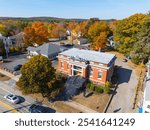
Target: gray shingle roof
<point>89,55</point>
<point>47,49</point>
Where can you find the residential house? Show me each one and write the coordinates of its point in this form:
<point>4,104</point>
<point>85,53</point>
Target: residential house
<point>80,41</point>
<point>146,100</point>
<point>48,50</point>
<point>96,66</point>
<point>111,41</point>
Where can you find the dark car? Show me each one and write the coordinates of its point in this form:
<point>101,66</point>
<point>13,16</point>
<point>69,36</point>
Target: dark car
<point>17,67</point>
<point>40,109</point>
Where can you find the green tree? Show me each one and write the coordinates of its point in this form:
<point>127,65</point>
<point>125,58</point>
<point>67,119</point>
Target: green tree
<point>141,50</point>
<point>125,33</point>
<point>38,76</point>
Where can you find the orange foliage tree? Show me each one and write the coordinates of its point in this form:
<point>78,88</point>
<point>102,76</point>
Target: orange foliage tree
<point>98,33</point>
<point>99,41</point>
<point>37,33</point>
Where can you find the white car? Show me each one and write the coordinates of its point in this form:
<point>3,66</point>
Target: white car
<point>12,98</point>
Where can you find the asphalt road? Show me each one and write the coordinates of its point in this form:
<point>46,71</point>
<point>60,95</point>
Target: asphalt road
<point>6,106</point>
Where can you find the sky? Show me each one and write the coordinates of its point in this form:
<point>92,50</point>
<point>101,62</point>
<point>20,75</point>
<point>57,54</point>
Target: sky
<point>102,9</point>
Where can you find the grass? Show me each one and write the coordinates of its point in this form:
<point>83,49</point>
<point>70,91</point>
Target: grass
<point>63,108</point>
<point>96,102</point>
<point>58,105</point>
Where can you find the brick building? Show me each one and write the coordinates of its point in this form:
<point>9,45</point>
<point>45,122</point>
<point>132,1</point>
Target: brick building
<point>96,66</point>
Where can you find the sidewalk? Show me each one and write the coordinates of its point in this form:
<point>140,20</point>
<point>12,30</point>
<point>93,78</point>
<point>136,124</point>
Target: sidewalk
<point>79,107</point>
<point>16,78</point>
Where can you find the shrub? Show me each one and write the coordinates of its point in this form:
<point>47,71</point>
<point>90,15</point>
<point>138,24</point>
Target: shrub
<point>12,49</point>
<point>99,89</point>
<point>92,87</point>
<point>107,90</point>
<point>88,85</point>
<point>108,84</point>
<point>18,49</point>
<point>58,76</point>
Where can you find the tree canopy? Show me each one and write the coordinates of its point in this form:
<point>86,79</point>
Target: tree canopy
<point>141,50</point>
<point>125,34</point>
<point>38,76</point>
<point>37,33</point>
<point>3,30</point>
<point>98,33</point>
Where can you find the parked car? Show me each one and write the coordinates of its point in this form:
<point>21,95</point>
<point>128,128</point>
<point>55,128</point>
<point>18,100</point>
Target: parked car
<point>34,108</point>
<point>17,67</point>
<point>12,98</point>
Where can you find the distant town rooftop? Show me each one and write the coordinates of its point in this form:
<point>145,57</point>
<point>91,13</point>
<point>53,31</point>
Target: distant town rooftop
<point>89,55</point>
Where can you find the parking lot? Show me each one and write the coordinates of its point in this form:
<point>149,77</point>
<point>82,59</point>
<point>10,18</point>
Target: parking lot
<point>123,99</point>
<point>13,61</point>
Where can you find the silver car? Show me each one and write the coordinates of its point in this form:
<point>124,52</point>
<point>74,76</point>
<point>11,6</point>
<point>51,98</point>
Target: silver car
<point>12,98</point>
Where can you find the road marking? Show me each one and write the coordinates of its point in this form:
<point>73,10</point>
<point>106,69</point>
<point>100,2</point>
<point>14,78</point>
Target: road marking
<point>8,107</point>
<point>11,92</point>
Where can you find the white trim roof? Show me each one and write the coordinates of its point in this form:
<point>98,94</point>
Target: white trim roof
<point>89,55</point>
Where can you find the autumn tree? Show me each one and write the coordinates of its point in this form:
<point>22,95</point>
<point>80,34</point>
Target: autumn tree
<point>99,42</point>
<point>59,31</point>
<point>113,25</point>
<point>125,34</point>
<point>50,28</point>
<point>141,50</point>
<point>98,33</point>
<point>37,76</point>
<point>71,25</point>
<point>97,28</point>
<point>3,30</point>
<point>37,33</point>
<point>84,28</point>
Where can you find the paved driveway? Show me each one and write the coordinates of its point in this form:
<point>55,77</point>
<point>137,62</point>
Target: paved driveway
<point>122,101</point>
<point>13,61</point>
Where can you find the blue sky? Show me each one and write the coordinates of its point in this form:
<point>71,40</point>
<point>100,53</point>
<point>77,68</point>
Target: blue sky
<point>103,9</point>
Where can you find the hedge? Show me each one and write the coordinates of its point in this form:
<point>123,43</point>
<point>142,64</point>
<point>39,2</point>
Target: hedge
<point>99,89</point>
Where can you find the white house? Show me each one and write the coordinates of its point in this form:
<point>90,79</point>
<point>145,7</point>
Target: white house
<point>48,50</point>
<point>80,41</point>
<point>146,100</point>
<point>111,41</point>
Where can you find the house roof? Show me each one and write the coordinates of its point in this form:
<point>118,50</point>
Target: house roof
<point>89,55</point>
<point>47,49</point>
